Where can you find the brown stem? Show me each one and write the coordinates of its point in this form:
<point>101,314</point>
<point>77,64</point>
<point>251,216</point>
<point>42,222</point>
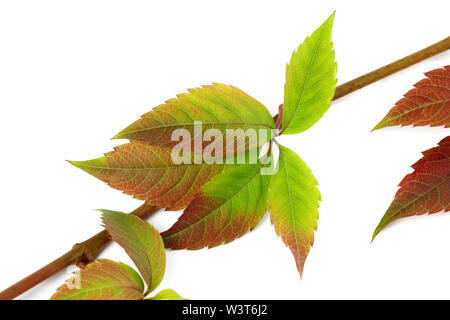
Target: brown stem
<point>85,252</point>
<point>81,254</point>
<point>391,68</point>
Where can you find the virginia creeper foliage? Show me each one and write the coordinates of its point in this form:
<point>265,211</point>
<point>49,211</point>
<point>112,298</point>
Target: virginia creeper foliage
<point>221,201</point>
<point>224,200</point>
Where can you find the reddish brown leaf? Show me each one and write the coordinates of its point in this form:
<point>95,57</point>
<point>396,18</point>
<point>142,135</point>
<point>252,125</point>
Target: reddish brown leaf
<point>428,104</point>
<point>426,190</point>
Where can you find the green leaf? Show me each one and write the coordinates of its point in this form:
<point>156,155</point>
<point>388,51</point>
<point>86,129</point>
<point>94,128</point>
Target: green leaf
<point>167,294</point>
<point>142,243</point>
<point>230,205</point>
<point>310,81</point>
<point>217,106</point>
<point>148,173</point>
<point>102,280</point>
<point>293,204</point>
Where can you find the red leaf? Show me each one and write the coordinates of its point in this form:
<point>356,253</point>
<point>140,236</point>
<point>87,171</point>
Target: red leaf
<point>426,190</point>
<point>428,104</point>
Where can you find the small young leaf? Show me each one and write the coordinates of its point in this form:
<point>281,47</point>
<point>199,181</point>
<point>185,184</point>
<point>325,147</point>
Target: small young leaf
<point>167,294</point>
<point>310,81</point>
<point>217,106</point>
<point>148,173</point>
<point>426,190</point>
<point>102,280</point>
<point>293,204</point>
<point>230,205</point>
<point>428,104</point>
<point>142,243</point>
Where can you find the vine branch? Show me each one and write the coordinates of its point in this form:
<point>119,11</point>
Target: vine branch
<point>391,68</point>
<point>85,252</point>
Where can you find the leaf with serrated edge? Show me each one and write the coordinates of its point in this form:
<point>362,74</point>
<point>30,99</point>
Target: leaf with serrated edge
<point>148,173</point>
<point>167,294</point>
<point>102,280</point>
<point>310,81</point>
<point>217,106</point>
<point>428,104</point>
<point>229,205</point>
<point>426,190</point>
<point>293,204</point>
<point>142,243</point>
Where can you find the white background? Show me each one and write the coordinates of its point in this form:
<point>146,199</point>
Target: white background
<point>74,73</point>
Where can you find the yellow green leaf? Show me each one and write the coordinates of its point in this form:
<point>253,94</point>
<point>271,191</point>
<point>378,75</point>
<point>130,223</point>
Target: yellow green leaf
<point>102,280</point>
<point>293,204</point>
<point>217,106</point>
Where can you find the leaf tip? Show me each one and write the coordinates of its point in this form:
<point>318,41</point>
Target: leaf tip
<point>119,135</point>
<point>376,232</point>
<point>333,14</point>
<point>300,272</point>
<point>103,211</point>
<point>330,19</point>
<point>87,165</point>
<point>380,125</point>
<point>300,262</point>
<point>373,236</point>
<point>78,164</point>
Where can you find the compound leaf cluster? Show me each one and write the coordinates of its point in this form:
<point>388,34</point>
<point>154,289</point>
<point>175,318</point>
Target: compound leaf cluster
<point>222,201</point>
